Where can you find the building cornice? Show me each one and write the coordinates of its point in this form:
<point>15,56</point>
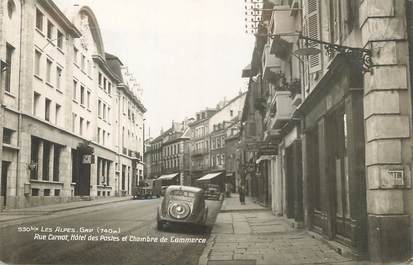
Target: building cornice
<point>106,69</point>
<point>58,15</point>
<point>127,91</point>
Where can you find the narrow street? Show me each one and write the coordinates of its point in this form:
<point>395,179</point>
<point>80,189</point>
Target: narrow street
<point>134,218</point>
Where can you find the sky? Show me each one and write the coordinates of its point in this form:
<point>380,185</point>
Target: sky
<point>186,54</point>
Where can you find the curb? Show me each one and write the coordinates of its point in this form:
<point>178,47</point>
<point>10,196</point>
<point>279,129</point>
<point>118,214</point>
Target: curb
<point>203,259</point>
<point>243,210</point>
<point>41,213</point>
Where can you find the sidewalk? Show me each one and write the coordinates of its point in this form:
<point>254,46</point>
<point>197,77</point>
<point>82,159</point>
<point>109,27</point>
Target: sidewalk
<point>233,204</point>
<point>250,235</point>
<point>14,214</point>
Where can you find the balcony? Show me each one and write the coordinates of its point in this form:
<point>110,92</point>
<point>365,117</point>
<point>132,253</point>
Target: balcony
<point>284,24</point>
<point>199,152</point>
<point>281,109</point>
<point>271,65</point>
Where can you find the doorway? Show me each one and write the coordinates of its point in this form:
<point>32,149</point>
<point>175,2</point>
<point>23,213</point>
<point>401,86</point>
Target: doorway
<point>340,177</point>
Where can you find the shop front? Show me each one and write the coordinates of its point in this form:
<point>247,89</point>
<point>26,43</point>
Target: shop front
<point>333,157</point>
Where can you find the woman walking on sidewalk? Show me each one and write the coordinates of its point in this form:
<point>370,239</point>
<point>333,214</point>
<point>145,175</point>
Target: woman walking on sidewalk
<point>242,194</point>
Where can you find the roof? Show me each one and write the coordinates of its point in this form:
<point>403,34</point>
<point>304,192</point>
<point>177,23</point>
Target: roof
<point>230,102</point>
<point>185,188</point>
<point>211,175</point>
<point>115,64</point>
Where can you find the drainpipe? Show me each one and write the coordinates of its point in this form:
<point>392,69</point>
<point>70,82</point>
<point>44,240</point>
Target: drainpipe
<point>20,116</point>
<point>409,21</point>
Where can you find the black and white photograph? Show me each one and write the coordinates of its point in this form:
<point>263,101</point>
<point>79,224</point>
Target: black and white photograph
<point>206,132</point>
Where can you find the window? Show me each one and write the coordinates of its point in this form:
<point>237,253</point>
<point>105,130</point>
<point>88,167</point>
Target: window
<point>47,146</point>
<point>74,89</point>
<point>50,30</point>
<point>48,70</point>
<point>82,95</point>
<point>47,104</point>
<point>313,31</point>
<point>82,63</point>
<point>103,136</point>
<point>109,88</point>
<point>57,114</point>
<point>74,115</point>
<point>35,192</point>
<point>231,113</point>
<point>123,136</point>
<point>81,126</point>
<point>76,55</point>
<point>9,61</point>
<point>98,135</point>
<point>334,21</point>
<point>56,164</point>
<point>37,58</point>
<point>58,77</point>
<point>104,83</point>
<point>89,68</point>
<point>87,128</point>
<point>100,79</point>
<point>59,39</point>
<point>34,156</point>
<point>88,99</point>
<point>36,100</point>
<point>108,119</point>
<point>104,112</point>
<point>7,135</point>
<point>39,20</point>
<point>99,108</point>
<point>11,7</point>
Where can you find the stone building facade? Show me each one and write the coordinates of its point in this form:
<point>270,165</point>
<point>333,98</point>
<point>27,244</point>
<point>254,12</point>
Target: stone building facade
<point>62,134</point>
<point>350,128</point>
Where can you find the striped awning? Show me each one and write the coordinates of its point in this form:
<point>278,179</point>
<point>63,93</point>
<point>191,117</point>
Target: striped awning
<point>169,176</point>
<point>211,176</point>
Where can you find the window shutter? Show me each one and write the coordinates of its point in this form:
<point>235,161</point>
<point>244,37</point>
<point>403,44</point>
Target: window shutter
<point>313,31</point>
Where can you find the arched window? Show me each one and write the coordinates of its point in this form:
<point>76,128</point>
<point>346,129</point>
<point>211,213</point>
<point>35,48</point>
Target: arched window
<point>11,7</point>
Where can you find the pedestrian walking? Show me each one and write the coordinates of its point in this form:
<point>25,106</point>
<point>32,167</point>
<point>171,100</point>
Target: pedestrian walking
<point>242,194</point>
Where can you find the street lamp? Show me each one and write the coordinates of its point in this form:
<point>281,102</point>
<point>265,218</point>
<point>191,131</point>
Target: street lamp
<point>364,55</point>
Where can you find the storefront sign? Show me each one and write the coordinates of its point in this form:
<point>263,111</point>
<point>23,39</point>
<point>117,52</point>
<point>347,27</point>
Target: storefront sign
<point>87,159</point>
<point>268,149</point>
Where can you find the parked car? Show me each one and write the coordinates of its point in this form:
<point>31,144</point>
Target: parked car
<point>147,189</point>
<point>163,189</point>
<point>182,204</point>
<point>212,192</point>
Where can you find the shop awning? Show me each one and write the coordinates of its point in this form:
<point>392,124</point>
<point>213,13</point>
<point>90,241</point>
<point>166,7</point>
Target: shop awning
<point>211,176</point>
<point>264,157</point>
<point>169,176</point>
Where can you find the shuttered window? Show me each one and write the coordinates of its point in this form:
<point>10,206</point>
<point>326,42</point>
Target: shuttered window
<point>313,31</point>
